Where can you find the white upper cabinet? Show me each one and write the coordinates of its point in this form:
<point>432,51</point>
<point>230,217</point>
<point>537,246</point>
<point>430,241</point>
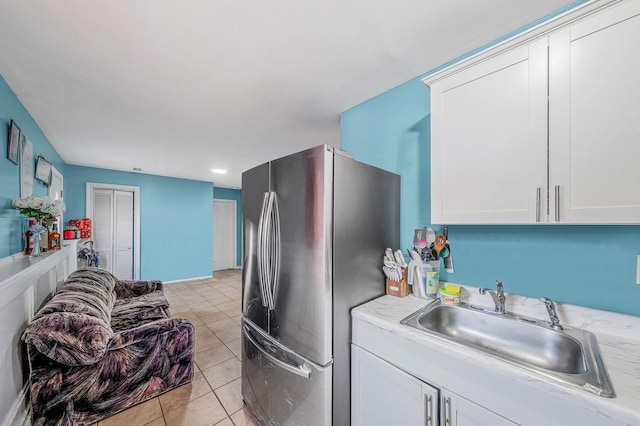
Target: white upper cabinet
<point>594,118</point>
<point>488,140</point>
<point>544,127</point>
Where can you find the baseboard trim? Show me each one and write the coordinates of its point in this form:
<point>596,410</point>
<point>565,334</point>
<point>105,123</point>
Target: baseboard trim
<point>18,415</point>
<point>187,279</point>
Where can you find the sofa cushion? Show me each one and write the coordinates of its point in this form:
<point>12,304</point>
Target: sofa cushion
<point>73,327</point>
<point>96,281</point>
<point>88,291</point>
<point>77,302</point>
<point>69,338</point>
<point>135,311</point>
<point>132,288</point>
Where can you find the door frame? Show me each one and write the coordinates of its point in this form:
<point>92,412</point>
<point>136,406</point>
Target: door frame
<point>56,172</point>
<point>235,227</point>
<point>136,216</point>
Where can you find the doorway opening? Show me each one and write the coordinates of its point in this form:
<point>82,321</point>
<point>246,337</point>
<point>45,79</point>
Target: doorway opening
<point>224,234</point>
<point>114,211</point>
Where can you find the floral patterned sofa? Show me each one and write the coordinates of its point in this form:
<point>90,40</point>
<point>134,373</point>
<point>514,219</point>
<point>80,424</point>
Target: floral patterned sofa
<point>101,345</point>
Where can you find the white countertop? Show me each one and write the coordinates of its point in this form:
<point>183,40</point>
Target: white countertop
<point>618,338</point>
<point>18,263</point>
<point>14,268</point>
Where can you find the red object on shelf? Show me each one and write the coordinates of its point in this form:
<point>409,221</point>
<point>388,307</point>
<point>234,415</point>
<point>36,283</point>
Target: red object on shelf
<point>84,225</point>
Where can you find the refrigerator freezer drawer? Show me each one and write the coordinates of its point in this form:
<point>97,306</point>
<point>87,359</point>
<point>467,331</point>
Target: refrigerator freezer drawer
<point>280,358</point>
<point>280,393</point>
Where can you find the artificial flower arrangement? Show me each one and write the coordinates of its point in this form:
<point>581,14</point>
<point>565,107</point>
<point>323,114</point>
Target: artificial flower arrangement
<point>39,207</point>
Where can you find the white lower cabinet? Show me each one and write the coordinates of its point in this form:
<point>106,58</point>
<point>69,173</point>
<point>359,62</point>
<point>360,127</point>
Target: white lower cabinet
<point>382,394</point>
<point>458,411</point>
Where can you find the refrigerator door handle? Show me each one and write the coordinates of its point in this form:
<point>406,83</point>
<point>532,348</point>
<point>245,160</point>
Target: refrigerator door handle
<point>300,370</point>
<point>269,249</point>
<point>274,261</point>
<point>260,253</point>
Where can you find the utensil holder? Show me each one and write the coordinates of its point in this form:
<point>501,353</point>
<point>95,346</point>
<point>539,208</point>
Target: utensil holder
<point>399,288</point>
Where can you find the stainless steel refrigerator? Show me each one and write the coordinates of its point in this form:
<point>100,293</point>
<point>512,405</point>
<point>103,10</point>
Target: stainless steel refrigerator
<point>315,226</point>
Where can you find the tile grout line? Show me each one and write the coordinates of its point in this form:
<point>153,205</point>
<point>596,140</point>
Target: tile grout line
<point>228,348</point>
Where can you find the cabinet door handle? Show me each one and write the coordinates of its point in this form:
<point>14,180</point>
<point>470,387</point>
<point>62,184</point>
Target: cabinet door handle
<point>429,402</point>
<point>538,202</point>
<point>557,203</point>
<point>447,410</point>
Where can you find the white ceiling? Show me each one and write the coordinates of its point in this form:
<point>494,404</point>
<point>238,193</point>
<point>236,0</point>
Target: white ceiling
<point>180,87</point>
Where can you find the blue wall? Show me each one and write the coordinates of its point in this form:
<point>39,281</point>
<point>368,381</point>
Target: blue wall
<point>233,194</point>
<point>591,266</point>
<point>176,219</point>
<point>10,219</point>
<point>176,214</point>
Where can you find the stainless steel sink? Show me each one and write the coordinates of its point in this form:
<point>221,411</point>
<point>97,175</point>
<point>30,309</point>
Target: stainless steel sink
<point>570,356</point>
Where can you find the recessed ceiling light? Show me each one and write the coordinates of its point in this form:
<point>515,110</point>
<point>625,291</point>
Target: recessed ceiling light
<point>219,171</point>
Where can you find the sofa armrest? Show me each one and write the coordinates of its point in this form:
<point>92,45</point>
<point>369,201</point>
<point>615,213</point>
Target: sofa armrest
<point>181,330</point>
<point>125,289</point>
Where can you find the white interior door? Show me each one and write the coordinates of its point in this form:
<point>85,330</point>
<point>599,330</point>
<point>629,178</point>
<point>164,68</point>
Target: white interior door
<point>123,235</point>
<point>113,227</point>
<point>102,223</point>
<point>224,234</point>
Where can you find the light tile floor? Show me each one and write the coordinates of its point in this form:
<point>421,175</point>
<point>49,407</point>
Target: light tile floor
<point>213,397</point>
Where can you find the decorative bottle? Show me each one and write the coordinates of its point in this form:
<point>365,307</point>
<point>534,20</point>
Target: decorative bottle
<point>29,242</point>
<point>54,237</point>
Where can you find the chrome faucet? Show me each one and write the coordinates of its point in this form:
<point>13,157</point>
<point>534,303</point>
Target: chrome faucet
<point>499,299</point>
<point>553,316</point>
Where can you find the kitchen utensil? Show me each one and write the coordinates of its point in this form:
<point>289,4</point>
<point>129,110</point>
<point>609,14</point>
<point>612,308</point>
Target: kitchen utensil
<point>420,238</point>
<point>448,260</point>
<point>389,272</point>
<point>431,236</point>
<point>429,254</point>
<point>440,243</point>
<point>388,254</point>
<point>414,277</point>
<point>399,258</point>
<point>414,255</point>
<point>392,270</point>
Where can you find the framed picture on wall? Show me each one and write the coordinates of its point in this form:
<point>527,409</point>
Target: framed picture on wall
<point>26,168</point>
<point>13,147</point>
<point>43,170</point>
